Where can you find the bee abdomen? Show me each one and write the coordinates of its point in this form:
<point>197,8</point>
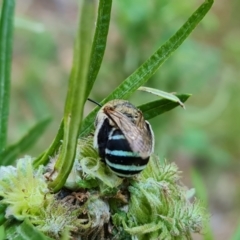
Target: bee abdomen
<point>120,158</point>
<point>124,170</point>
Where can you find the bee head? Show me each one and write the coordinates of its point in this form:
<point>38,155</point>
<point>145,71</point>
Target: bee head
<point>124,107</point>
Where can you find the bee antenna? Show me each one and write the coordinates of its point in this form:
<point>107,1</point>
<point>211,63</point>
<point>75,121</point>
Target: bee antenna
<point>90,100</point>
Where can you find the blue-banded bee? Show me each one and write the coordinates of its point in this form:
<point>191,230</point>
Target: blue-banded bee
<point>123,138</point>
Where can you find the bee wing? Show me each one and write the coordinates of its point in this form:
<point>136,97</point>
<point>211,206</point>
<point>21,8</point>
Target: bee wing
<point>139,137</point>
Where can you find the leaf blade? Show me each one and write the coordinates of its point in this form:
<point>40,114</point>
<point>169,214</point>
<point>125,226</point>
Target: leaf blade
<point>99,42</point>
<point>139,77</point>
<point>97,53</point>
<point>155,108</point>
<point>24,231</point>
<point>6,32</point>
<point>151,65</point>
<point>76,95</point>
<point>9,155</point>
<point>162,94</point>
<point>2,213</point>
<point>44,157</point>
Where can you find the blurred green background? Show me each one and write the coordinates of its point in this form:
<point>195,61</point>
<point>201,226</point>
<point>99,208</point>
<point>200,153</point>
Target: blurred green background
<point>202,139</point>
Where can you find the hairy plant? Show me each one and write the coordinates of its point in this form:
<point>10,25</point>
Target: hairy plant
<point>67,192</point>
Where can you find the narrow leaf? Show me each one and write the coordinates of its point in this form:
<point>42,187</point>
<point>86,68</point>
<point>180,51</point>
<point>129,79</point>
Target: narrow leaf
<point>76,95</point>
<point>6,32</point>
<point>51,151</point>
<point>97,53</point>
<point>10,154</point>
<point>24,231</point>
<point>148,68</point>
<point>155,108</point>
<point>162,94</point>
<point>99,42</point>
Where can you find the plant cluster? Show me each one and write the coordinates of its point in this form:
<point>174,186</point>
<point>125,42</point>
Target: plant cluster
<point>95,204</point>
<point>74,195</point>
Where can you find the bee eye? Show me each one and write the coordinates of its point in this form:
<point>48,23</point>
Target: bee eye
<point>128,115</point>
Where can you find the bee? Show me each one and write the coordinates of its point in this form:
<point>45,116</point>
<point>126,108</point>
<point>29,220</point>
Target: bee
<point>123,138</point>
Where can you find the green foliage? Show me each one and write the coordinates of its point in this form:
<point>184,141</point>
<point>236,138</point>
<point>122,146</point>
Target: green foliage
<point>2,232</point>
<point>99,42</point>
<point>158,207</point>
<point>150,66</point>
<point>95,169</point>
<point>155,108</point>
<point>97,52</point>
<point>25,231</point>
<point>76,96</point>
<point>162,94</point>
<point>6,31</point>
<point>22,190</point>
<point>9,155</point>
<point>2,213</point>
<point>44,157</point>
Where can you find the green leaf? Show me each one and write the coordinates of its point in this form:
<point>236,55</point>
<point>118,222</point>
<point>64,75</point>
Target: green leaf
<point>2,214</point>
<point>6,32</point>
<point>51,151</point>
<point>97,52</point>
<point>99,42</point>
<point>9,155</point>
<point>2,232</point>
<point>76,95</point>
<point>24,231</point>
<point>160,93</point>
<point>155,108</point>
<point>148,68</point>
